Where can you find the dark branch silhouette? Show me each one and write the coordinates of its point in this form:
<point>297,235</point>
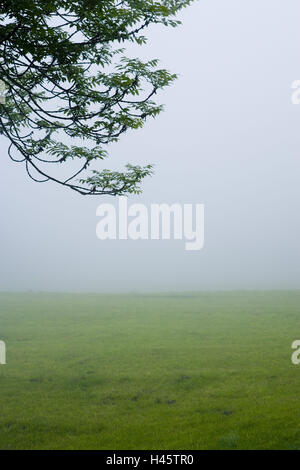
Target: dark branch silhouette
<point>70,90</point>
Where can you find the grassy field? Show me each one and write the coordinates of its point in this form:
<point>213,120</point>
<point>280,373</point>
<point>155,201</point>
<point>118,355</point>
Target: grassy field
<point>182,371</point>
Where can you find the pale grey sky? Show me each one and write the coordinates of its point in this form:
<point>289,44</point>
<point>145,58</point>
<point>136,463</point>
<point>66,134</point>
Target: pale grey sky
<point>229,138</point>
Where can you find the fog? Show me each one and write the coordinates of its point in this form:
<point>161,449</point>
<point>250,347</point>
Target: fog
<point>229,138</point>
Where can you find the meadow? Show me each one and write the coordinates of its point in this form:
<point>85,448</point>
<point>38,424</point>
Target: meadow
<point>158,371</point>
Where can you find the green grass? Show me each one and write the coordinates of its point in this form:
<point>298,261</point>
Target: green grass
<point>182,371</point>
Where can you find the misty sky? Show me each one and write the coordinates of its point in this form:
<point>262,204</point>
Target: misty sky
<point>229,138</point>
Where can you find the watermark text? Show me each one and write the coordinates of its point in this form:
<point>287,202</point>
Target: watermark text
<point>159,222</point>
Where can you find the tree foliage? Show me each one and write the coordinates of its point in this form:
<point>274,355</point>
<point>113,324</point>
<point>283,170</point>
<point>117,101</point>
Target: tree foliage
<point>67,80</point>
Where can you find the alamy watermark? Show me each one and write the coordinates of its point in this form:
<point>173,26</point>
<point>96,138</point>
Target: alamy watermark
<point>2,92</point>
<point>159,222</point>
<point>2,352</point>
<point>295,96</point>
<point>296,354</point>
